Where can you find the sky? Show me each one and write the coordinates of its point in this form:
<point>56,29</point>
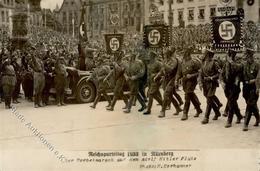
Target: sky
<point>50,3</point>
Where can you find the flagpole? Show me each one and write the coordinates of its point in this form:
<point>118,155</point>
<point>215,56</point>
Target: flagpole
<point>28,14</point>
<point>45,18</point>
<point>73,29</point>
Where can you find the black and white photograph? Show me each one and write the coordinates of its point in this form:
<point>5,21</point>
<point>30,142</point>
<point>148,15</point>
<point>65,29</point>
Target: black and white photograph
<point>129,85</point>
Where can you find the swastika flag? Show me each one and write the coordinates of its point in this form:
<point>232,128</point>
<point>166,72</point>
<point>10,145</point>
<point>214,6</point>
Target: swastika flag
<point>114,42</point>
<point>227,32</point>
<point>156,36</point>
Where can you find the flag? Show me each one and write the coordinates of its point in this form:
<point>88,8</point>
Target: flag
<point>82,26</point>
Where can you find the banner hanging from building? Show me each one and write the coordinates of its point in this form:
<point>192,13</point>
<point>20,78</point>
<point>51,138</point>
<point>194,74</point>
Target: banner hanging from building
<point>114,42</point>
<point>83,36</point>
<point>227,32</point>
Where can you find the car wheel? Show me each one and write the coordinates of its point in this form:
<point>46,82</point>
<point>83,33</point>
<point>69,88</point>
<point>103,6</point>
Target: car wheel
<point>86,92</point>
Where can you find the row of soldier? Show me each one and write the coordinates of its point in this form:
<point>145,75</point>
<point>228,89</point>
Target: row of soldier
<point>36,73</point>
<point>207,73</point>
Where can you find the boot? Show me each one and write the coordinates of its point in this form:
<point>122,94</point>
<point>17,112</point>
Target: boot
<point>93,106</point>
<point>205,121</point>
<point>228,124</point>
<point>147,112</point>
<point>142,109</point>
<point>184,117</point>
<point>245,128</point>
<point>7,107</point>
<point>178,111</point>
<point>162,115</point>
<point>239,119</point>
<point>110,108</point>
<point>127,111</point>
<point>125,107</point>
<point>257,120</point>
<point>215,118</point>
<point>198,113</point>
<point>225,114</point>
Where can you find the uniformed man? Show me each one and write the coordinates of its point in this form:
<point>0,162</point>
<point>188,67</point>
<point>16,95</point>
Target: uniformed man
<point>60,80</point>
<point>134,72</point>
<point>143,80</point>
<point>99,75</point>
<point>38,80</point>
<point>27,77</point>
<point>17,69</point>
<point>49,78</point>
<point>250,90</point>
<point>8,81</point>
<point>169,71</point>
<point>209,75</point>
<point>153,68</point>
<point>189,72</point>
<point>118,75</point>
<point>231,79</point>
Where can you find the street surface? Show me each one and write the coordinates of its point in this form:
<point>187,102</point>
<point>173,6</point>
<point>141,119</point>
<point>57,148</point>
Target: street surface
<point>76,128</point>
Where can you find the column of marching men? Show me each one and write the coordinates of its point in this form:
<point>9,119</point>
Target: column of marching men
<point>36,72</point>
<point>165,73</point>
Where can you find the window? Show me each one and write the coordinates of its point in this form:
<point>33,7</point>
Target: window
<point>191,0</point>
<point>212,12</point>
<point>102,26</point>
<point>125,7</point>
<point>132,21</point>
<point>179,1</point>
<point>7,16</point>
<point>125,22</point>
<point>191,15</point>
<point>180,15</point>
<point>75,17</point>
<point>3,16</point>
<point>70,17</point>
<point>64,17</point>
<point>201,14</point>
<point>132,6</point>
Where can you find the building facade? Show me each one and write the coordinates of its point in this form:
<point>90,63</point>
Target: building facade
<point>109,16</point>
<point>6,10</point>
<point>69,16</point>
<point>195,12</point>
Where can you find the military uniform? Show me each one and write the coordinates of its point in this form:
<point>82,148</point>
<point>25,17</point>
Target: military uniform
<point>134,72</point>
<point>99,75</point>
<point>27,79</point>
<point>175,94</point>
<point>49,79</point>
<point>169,71</point>
<point>189,72</point>
<point>250,93</point>
<point>209,81</point>
<point>8,82</point>
<point>38,80</point>
<point>118,75</point>
<point>154,85</point>
<point>231,78</point>
<point>17,69</point>
<point>60,81</point>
